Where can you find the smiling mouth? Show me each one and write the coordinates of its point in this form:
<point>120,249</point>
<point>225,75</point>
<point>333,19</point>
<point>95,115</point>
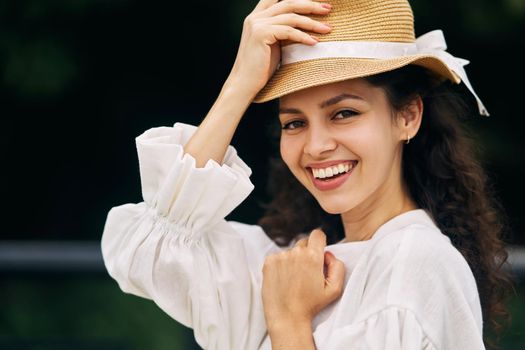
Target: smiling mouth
<point>334,171</point>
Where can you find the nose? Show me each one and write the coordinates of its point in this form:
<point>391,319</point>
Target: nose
<point>319,141</point>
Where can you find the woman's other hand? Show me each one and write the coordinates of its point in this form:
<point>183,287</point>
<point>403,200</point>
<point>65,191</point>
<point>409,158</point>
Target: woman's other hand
<point>270,22</point>
<point>295,285</point>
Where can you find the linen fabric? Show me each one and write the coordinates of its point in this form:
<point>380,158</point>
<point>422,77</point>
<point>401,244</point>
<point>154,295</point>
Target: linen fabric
<point>405,288</point>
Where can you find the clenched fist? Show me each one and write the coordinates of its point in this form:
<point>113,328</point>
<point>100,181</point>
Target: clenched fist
<point>300,282</point>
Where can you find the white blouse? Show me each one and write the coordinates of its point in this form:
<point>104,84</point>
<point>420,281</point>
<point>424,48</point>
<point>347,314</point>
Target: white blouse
<point>405,288</point>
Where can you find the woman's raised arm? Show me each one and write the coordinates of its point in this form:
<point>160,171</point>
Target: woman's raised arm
<point>257,58</point>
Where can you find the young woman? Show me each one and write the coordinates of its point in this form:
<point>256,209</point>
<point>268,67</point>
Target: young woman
<point>388,236</point>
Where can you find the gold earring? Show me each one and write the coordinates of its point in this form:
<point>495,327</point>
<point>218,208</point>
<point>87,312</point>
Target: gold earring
<point>408,139</point>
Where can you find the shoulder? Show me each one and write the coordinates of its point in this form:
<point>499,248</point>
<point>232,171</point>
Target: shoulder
<point>430,277</point>
<point>418,269</point>
<point>421,248</point>
<point>426,246</point>
<point>416,262</point>
<point>421,253</point>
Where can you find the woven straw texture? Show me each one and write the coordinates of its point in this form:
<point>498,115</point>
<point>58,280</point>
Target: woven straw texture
<point>354,20</point>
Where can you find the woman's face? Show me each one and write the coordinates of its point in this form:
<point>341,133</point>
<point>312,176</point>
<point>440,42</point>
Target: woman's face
<point>342,144</point>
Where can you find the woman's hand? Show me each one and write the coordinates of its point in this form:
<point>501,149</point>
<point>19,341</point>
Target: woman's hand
<point>295,286</point>
<point>270,22</point>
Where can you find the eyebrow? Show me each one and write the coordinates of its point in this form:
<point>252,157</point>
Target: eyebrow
<point>289,111</point>
<point>339,98</point>
<point>324,104</point>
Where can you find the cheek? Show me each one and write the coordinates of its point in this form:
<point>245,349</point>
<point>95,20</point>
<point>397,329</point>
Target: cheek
<point>361,142</point>
<point>373,146</point>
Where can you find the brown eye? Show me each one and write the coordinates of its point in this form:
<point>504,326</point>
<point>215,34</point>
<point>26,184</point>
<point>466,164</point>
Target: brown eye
<point>345,113</point>
<point>293,125</point>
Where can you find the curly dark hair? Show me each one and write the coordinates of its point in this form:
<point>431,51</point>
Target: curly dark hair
<point>443,174</point>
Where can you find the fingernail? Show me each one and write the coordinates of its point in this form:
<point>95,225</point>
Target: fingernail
<point>326,6</point>
<point>330,253</point>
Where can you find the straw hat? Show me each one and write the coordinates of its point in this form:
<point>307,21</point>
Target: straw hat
<point>367,37</point>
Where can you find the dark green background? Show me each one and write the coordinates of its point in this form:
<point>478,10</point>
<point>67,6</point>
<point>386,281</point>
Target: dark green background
<point>80,79</point>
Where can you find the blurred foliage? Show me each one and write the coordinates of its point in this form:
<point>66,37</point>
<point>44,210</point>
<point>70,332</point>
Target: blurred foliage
<point>34,9</point>
<point>75,310</point>
<point>38,55</point>
<point>37,59</point>
<point>72,310</point>
<point>471,16</point>
<point>514,337</point>
<point>38,68</point>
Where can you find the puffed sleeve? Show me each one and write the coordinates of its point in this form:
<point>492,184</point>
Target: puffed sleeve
<point>392,328</point>
<point>177,249</point>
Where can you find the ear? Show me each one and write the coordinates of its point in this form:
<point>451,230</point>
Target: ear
<point>409,119</point>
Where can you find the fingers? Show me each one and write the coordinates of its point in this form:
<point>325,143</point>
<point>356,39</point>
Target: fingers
<point>298,6</point>
<point>298,21</point>
<point>335,275</point>
<point>303,242</point>
<point>274,21</point>
<point>317,241</point>
<point>292,34</point>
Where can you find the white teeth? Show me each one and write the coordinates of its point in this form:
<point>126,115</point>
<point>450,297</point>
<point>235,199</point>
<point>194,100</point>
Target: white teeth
<point>331,171</point>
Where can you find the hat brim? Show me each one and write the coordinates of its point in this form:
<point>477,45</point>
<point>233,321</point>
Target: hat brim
<point>301,75</point>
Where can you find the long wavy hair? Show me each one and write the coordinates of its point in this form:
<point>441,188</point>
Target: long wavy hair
<point>442,172</point>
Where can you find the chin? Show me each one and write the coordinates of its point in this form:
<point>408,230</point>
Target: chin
<point>335,207</point>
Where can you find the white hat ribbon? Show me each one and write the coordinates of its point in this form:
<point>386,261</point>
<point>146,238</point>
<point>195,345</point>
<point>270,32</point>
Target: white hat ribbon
<point>432,43</point>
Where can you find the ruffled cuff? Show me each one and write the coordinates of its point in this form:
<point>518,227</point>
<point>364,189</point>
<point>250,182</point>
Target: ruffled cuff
<point>192,198</point>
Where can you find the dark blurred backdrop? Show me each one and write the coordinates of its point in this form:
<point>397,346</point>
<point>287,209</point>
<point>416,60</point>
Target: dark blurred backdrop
<point>80,79</point>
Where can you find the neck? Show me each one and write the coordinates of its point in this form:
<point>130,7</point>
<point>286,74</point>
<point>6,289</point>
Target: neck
<point>389,201</point>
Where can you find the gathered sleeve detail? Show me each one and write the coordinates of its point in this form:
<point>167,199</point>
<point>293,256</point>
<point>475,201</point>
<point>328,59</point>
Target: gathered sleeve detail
<point>195,198</point>
<point>392,328</point>
<point>177,249</point>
